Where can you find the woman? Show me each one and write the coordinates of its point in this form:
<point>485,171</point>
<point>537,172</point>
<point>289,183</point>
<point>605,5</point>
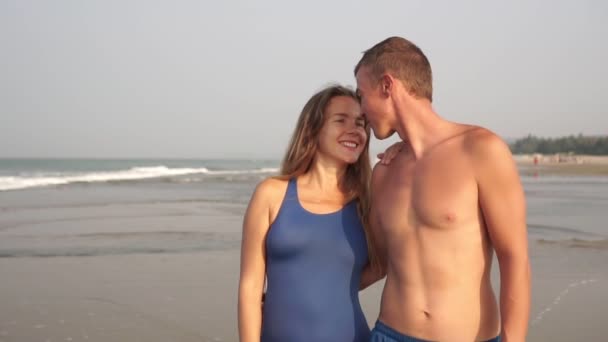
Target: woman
<point>305,231</point>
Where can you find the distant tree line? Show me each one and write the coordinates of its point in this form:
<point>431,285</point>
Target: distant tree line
<point>578,144</point>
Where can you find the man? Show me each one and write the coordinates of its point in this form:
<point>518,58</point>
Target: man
<point>449,199</point>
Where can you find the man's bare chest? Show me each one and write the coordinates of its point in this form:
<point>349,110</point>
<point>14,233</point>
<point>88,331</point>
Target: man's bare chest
<point>436,195</point>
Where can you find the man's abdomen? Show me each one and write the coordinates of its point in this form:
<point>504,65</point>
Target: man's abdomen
<point>459,312</point>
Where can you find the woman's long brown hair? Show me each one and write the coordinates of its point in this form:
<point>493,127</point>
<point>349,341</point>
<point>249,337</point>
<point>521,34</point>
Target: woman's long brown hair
<point>304,146</point>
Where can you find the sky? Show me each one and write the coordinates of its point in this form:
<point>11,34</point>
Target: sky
<point>227,79</point>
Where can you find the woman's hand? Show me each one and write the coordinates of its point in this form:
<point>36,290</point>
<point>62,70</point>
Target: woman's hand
<point>391,152</point>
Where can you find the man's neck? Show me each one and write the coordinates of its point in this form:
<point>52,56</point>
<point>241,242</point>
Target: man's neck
<point>420,126</point>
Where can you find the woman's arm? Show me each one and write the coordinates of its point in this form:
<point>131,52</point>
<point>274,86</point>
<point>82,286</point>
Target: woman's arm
<point>253,264</point>
<point>373,273</point>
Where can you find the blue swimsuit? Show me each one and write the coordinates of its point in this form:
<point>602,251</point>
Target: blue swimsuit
<point>313,267</point>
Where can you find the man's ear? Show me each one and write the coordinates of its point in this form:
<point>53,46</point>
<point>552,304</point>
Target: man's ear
<point>386,84</point>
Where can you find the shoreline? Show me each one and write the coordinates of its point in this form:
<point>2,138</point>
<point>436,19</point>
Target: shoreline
<point>561,165</point>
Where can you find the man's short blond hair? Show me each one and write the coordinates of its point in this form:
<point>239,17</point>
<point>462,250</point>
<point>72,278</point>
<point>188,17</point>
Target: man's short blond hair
<point>402,59</point>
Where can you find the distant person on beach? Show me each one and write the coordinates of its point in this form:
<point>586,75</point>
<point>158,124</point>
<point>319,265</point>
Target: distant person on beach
<point>449,199</point>
<point>305,231</point>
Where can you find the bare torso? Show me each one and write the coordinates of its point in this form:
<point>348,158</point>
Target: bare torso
<point>438,251</point>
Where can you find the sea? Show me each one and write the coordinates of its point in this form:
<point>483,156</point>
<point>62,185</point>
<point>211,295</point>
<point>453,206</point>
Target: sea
<point>560,209</point>
<point>142,249</point>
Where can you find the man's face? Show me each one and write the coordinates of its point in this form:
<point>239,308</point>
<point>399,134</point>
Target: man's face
<point>374,104</point>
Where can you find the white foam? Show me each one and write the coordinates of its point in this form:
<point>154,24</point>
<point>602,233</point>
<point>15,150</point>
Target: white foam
<point>559,297</point>
<point>136,173</point>
<point>242,172</point>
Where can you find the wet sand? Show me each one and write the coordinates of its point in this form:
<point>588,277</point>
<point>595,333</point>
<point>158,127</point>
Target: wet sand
<point>168,270</point>
<point>191,296</point>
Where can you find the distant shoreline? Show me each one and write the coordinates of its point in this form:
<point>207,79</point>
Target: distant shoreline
<point>562,164</point>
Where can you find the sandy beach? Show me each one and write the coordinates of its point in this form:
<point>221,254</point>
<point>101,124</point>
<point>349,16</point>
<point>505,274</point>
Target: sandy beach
<point>153,292</point>
<point>160,261</point>
<point>134,133</point>
<point>562,164</point>
<point>191,297</point>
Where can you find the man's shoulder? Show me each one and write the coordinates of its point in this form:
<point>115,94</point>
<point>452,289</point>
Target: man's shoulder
<point>484,145</point>
<point>379,169</point>
<point>474,134</point>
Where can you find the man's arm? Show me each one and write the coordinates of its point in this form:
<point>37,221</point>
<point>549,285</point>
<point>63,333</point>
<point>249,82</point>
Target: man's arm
<point>502,202</point>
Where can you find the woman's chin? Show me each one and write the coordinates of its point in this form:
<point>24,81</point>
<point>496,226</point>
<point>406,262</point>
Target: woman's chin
<point>351,159</point>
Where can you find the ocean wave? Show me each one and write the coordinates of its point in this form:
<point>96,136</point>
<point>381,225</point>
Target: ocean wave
<point>118,243</point>
<point>557,229</point>
<point>91,252</point>
<point>132,174</point>
<point>601,244</point>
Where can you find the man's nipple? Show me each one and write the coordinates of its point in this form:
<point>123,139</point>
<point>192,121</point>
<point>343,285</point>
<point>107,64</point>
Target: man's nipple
<point>450,217</point>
